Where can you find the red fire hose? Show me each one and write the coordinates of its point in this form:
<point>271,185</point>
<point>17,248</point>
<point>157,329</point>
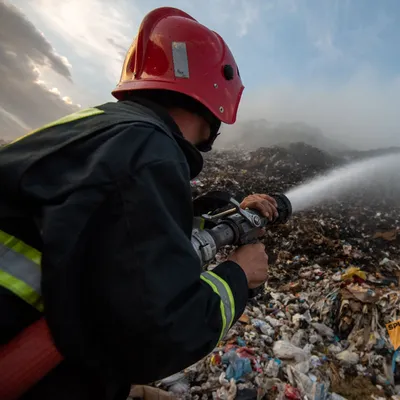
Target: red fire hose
<point>26,359</point>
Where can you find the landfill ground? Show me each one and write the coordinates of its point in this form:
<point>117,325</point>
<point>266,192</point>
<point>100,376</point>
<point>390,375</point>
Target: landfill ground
<point>319,329</point>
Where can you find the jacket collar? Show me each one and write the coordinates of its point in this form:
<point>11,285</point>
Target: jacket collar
<point>193,156</point>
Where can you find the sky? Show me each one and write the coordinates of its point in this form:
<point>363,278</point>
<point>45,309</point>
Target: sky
<point>333,64</point>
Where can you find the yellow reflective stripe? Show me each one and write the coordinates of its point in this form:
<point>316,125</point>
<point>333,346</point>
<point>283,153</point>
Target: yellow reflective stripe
<point>20,269</point>
<point>20,247</point>
<point>87,112</point>
<point>221,305</point>
<point>227,303</point>
<point>21,289</point>
<point>201,223</point>
<point>228,291</point>
<point>198,223</point>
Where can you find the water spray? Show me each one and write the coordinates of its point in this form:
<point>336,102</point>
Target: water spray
<point>366,175</point>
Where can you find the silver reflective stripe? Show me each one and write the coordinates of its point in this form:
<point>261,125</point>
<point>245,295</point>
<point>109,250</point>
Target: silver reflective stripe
<point>222,289</point>
<point>20,267</point>
<point>180,59</point>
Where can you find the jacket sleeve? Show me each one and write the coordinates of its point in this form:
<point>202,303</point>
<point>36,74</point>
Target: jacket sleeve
<point>154,312</point>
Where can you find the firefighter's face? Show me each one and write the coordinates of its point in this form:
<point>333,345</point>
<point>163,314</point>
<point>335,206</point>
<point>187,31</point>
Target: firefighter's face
<point>204,131</point>
<point>195,128</point>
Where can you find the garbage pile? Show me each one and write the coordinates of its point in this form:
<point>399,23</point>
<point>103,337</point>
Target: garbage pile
<point>319,329</point>
<point>276,167</point>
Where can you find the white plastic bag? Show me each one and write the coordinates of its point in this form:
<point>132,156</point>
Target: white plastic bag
<point>287,351</point>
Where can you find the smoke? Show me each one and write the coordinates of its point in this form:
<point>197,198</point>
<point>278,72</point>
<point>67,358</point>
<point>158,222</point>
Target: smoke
<point>360,114</point>
<point>25,101</point>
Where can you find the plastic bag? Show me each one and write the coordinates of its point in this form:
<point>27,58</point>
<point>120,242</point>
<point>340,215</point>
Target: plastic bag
<point>237,366</point>
<point>298,337</point>
<point>287,351</point>
<point>273,322</point>
<point>334,348</point>
<point>315,338</point>
<point>323,330</point>
<point>307,387</point>
<point>315,362</point>
<point>267,330</point>
<point>308,348</point>
<point>272,369</point>
<point>303,366</point>
<point>177,383</point>
<point>348,357</point>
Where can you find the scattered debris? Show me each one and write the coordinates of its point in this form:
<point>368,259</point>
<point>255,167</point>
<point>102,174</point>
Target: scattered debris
<point>318,331</point>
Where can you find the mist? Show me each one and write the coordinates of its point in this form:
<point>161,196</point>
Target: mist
<point>362,114</point>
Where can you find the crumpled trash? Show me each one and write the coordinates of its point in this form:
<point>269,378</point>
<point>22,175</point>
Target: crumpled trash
<point>319,328</point>
<point>307,386</point>
<point>285,350</point>
<point>352,272</point>
<point>273,366</point>
<point>177,384</point>
<point>264,327</point>
<point>237,366</point>
<point>292,393</point>
<point>348,357</point>
<point>324,330</point>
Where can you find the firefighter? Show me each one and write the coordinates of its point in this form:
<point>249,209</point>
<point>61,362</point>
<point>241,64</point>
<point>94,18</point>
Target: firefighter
<point>96,221</point>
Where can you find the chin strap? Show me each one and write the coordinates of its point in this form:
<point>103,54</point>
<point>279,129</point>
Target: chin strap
<point>206,146</point>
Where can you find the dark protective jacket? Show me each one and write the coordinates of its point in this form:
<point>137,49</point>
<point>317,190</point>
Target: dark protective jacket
<point>106,199</point>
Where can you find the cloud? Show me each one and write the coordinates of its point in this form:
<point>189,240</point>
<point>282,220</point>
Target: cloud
<point>99,31</point>
<point>246,18</point>
<point>331,65</point>
<point>239,15</point>
<point>25,101</point>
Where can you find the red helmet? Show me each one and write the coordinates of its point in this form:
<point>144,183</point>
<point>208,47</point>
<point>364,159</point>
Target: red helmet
<point>173,51</point>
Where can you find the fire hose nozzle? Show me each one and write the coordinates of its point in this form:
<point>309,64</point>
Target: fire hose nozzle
<point>284,208</point>
<point>236,227</point>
